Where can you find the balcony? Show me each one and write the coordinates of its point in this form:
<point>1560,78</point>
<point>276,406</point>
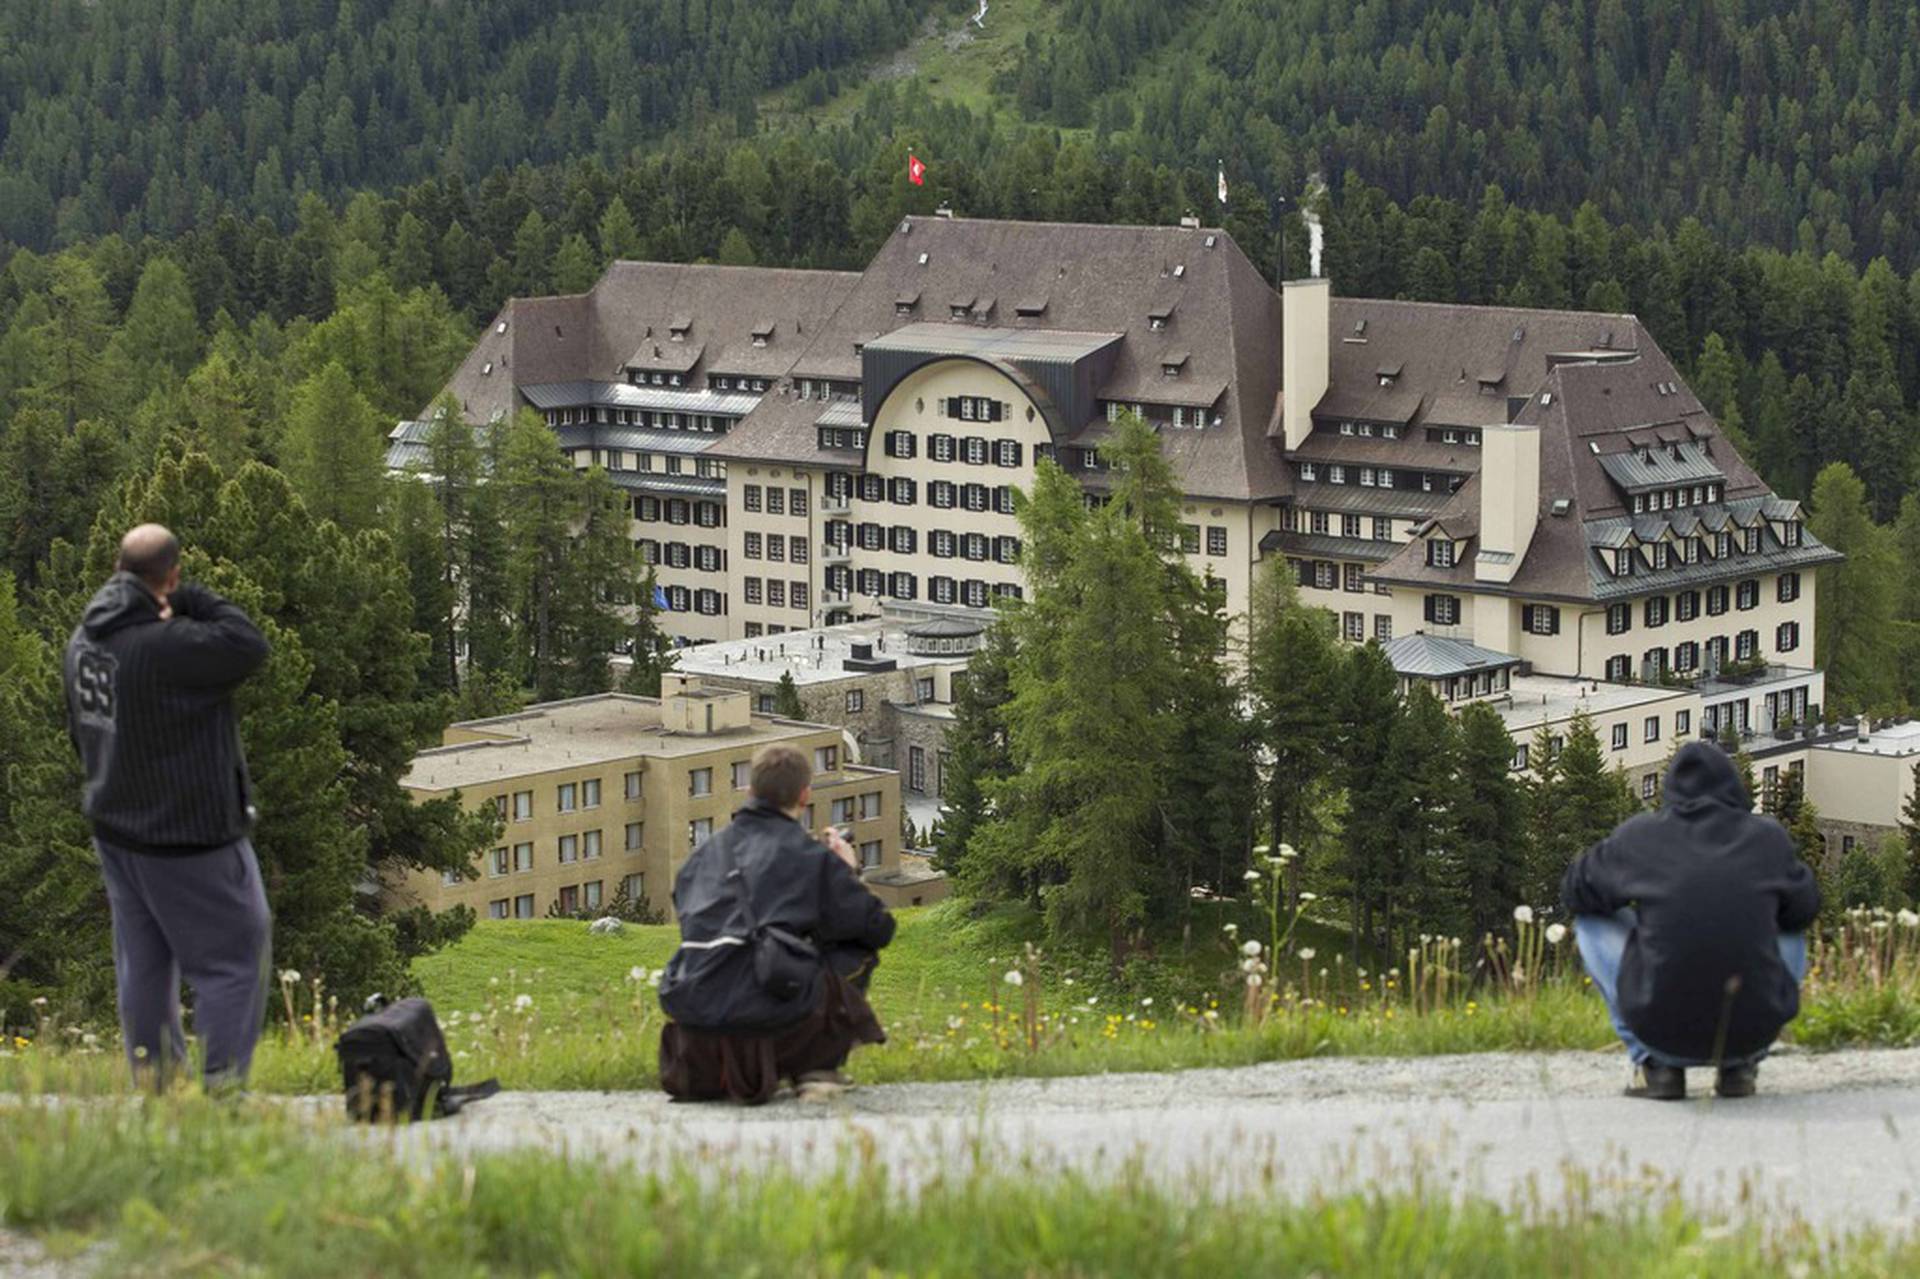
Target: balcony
<point>832,554</point>
<point>836,505</point>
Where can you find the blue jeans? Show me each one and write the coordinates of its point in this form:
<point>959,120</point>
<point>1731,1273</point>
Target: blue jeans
<point>1603,939</point>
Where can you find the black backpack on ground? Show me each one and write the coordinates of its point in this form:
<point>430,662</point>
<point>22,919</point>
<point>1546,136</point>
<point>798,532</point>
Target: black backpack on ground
<point>394,1065</point>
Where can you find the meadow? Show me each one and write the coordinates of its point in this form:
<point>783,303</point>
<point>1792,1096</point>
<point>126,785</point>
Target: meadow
<point>966,994</point>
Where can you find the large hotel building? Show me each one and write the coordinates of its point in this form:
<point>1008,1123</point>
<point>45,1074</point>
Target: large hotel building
<point>1500,494</point>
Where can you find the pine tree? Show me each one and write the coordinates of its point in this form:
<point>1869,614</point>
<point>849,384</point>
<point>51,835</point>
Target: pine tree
<point>160,331</point>
<point>71,345</point>
<point>619,236</point>
<point>1293,659</point>
<point>1857,599</point>
<point>1910,828</point>
<point>410,261</point>
<point>652,649</point>
<point>978,754</point>
<point>1369,707</point>
<point>1426,889</point>
<point>786,698</point>
<point>333,451</point>
<point>1490,813</point>
<point>575,265</point>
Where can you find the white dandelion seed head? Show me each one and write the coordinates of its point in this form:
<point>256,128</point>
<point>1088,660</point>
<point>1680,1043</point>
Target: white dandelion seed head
<point>1556,933</point>
<point>289,976</point>
<point>1013,978</point>
<point>1306,952</point>
<point>522,1002</point>
<point>1523,914</point>
<point>1252,877</point>
<point>1230,929</point>
<point>1250,949</point>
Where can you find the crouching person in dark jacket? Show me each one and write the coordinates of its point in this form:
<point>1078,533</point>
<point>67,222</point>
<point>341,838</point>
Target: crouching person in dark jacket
<point>778,938</point>
<point>1689,922</point>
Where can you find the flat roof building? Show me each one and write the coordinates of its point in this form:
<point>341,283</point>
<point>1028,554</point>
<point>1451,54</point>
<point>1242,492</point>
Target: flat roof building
<point>605,796</point>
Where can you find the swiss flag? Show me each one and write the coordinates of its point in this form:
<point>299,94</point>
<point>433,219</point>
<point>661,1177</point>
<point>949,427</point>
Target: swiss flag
<point>916,171</point>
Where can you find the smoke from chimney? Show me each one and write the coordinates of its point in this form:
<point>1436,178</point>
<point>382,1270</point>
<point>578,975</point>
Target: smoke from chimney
<point>1316,234</point>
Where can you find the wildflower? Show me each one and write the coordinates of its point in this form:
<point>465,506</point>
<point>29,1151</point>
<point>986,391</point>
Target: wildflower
<point>636,973</point>
<point>1092,1000</point>
<point>1231,930</point>
<point>1556,933</point>
<point>1909,919</point>
<point>1066,981</point>
<point>1287,853</point>
<point>1306,952</point>
<point>1147,1002</point>
<point>1253,979</point>
<point>1250,949</point>
<point>1013,978</point>
<point>1309,897</point>
<point>522,1002</point>
<point>1252,877</point>
<point>955,1023</point>
<point>1523,914</point>
<point>475,1018</point>
<point>40,1002</point>
<point>289,976</point>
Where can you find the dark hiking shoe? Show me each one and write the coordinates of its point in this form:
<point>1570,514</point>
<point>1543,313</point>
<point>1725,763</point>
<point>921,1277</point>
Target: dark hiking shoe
<point>1659,1083</point>
<point>1737,1081</point>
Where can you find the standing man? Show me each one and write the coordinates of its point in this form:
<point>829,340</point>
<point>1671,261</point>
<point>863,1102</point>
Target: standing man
<point>1690,923</point>
<point>778,938</point>
<point>150,675</point>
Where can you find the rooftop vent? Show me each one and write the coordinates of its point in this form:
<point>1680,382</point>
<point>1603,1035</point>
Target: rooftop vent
<point>943,210</point>
<point>1179,270</point>
<point>1211,241</point>
<point>486,368</point>
<point>1561,505</point>
<point>923,259</point>
<point>500,327</point>
<point>906,226</point>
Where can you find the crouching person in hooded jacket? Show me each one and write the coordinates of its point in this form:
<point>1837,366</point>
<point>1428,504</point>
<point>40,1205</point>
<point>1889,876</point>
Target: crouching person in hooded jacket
<point>1690,923</point>
<point>778,938</point>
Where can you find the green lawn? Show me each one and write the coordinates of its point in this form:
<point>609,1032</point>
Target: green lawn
<point>548,1005</point>
<point>183,1186</point>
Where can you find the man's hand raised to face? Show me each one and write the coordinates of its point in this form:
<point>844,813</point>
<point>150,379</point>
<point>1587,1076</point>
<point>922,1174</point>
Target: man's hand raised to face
<point>834,840</point>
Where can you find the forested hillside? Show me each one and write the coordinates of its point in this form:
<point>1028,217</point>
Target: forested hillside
<point>131,114</point>
<point>1781,122</point>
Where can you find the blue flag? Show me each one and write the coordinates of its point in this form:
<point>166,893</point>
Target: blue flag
<point>660,598</point>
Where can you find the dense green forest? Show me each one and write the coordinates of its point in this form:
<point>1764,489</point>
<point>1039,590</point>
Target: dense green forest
<point>1788,123</point>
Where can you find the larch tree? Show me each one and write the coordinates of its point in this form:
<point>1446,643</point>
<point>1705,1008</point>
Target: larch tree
<point>333,450</point>
<point>1856,606</point>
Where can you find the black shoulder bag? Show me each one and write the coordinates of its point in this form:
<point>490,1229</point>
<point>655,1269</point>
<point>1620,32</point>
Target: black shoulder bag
<point>784,962</point>
<point>394,1065</point>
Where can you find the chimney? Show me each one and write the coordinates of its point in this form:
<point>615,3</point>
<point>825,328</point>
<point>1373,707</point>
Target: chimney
<point>1509,499</point>
<point>1190,222</point>
<point>1306,316</point>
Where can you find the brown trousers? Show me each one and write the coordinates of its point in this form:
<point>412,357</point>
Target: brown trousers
<point>708,1065</point>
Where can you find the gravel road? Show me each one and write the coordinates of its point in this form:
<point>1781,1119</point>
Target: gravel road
<point>1834,1138</point>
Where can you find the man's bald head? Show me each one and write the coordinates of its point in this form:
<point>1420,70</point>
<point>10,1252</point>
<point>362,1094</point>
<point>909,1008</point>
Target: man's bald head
<point>151,553</point>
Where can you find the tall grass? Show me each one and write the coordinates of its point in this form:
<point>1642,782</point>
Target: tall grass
<point>183,1186</point>
<point>999,1007</point>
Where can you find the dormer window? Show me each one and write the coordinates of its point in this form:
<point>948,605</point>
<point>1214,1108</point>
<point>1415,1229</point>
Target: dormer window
<point>1660,551</point>
<point>1159,318</point>
<point>1309,472</point>
<point>1639,503</point>
<point>1722,545</point>
<point>1751,540</point>
<point>1449,437</point>
<point>1346,428</point>
<point>1390,432</point>
<point>1439,553</point>
<point>1336,475</point>
<point>1623,562</point>
<point>1170,365</point>
<point>1790,533</point>
<point>762,334</point>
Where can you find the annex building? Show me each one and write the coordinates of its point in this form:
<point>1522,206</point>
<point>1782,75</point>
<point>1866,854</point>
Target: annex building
<point>605,796</point>
<point>1503,496</point>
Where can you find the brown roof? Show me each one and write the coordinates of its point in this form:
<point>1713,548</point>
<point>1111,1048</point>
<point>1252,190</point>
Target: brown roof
<point>637,304</point>
<point>1441,350</point>
<point>1097,279</point>
<point>1581,408</point>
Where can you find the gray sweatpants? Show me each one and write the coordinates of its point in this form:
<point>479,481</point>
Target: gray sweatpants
<point>204,918</point>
